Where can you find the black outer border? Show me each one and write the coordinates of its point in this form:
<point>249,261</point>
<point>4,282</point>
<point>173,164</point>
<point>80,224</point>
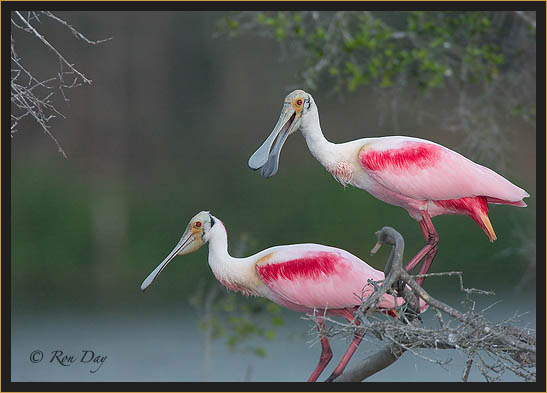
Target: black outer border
<point>8,385</point>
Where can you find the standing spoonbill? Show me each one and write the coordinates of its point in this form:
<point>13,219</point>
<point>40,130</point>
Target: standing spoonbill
<point>423,177</point>
<point>300,277</point>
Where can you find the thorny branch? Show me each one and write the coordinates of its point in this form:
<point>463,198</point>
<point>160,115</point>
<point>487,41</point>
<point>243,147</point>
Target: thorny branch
<point>31,97</point>
<point>492,347</point>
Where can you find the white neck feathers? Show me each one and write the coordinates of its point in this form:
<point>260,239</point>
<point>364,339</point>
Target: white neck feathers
<point>318,145</point>
<point>233,273</point>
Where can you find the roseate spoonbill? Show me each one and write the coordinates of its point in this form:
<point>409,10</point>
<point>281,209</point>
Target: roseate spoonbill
<point>423,177</point>
<point>300,277</point>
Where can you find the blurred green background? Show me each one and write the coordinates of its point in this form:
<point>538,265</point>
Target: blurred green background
<point>166,130</point>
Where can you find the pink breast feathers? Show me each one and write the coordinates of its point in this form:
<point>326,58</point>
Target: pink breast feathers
<point>412,155</point>
<point>312,266</point>
<point>342,173</point>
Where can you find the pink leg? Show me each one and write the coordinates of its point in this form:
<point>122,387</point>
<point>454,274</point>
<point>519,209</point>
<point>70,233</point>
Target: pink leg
<point>423,227</point>
<point>326,353</point>
<point>350,351</point>
<point>429,250</point>
<point>427,263</point>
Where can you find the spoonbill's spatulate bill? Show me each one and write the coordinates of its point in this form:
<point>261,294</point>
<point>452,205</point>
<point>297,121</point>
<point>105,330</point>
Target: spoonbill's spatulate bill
<point>423,177</point>
<point>301,277</point>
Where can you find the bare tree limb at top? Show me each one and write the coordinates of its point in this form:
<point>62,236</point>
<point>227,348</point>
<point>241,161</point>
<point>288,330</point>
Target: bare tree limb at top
<point>76,33</point>
<point>31,97</point>
<point>492,347</point>
<point>527,18</point>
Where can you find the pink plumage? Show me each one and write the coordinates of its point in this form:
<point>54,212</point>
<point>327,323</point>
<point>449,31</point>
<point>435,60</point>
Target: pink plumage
<point>302,277</point>
<point>423,177</point>
<point>411,155</point>
<point>305,277</point>
<point>310,266</point>
<point>420,176</point>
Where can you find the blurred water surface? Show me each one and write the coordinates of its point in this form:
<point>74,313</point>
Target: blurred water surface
<point>167,345</point>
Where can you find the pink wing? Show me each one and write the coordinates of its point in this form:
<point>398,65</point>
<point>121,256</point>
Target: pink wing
<point>424,170</point>
<point>315,276</point>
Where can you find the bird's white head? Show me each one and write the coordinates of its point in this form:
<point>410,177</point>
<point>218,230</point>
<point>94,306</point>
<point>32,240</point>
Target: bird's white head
<point>297,106</point>
<point>195,236</point>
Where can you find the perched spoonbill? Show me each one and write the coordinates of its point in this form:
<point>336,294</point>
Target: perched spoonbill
<point>423,177</point>
<point>300,277</point>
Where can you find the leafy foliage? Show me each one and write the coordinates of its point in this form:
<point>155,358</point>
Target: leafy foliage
<point>484,58</point>
<point>364,48</point>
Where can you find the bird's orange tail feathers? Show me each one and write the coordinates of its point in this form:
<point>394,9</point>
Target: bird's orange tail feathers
<point>487,227</point>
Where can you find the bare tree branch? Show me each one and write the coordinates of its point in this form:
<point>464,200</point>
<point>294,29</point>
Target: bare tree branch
<point>527,18</point>
<point>73,30</point>
<point>491,347</point>
<point>33,98</point>
<point>46,43</point>
<point>371,365</point>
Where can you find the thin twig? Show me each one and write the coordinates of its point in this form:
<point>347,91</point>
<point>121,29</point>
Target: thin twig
<point>73,30</point>
<point>45,42</point>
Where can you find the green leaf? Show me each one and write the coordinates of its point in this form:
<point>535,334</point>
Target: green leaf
<point>277,321</point>
<point>320,33</point>
<point>280,33</point>
<point>259,351</point>
<point>232,23</point>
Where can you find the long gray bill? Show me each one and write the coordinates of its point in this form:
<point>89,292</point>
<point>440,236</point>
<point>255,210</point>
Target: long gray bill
<point>152,276</point>
<point>266,158</point>
<point>270,167</point>
<point>261,155</point>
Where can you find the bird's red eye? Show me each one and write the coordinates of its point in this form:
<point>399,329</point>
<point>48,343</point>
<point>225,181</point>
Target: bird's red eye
<point>197,224</point>
<point>299,102</point>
